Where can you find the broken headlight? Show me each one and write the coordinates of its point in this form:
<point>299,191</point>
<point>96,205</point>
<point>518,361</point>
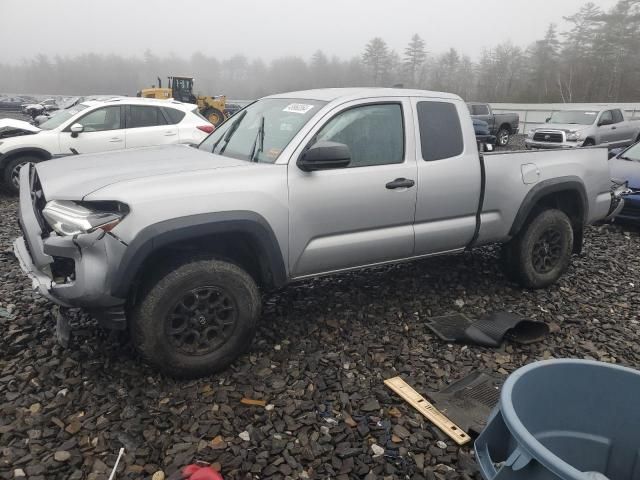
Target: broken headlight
<point>72,218</point>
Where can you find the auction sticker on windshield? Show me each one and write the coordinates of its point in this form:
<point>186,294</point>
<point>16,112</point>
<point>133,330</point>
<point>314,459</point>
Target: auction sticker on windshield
<point>300,108</point>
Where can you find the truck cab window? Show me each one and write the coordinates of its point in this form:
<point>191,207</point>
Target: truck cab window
<point>373,133</point>
<point>606,118</point>
<point>480,110</point>
<point>440,131</point>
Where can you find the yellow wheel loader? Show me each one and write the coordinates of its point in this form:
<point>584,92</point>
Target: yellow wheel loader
<point>181,89</point>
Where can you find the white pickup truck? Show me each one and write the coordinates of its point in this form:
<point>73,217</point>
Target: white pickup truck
<point>176,243</point>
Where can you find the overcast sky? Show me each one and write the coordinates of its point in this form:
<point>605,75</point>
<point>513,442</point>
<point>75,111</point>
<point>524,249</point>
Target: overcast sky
<point>268,28</point>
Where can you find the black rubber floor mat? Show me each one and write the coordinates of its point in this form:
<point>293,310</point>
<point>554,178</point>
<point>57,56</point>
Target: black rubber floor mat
<point>469,401</point>
<point>488,331</point>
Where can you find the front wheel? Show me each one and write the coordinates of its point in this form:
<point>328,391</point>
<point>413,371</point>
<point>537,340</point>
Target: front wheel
<point>215,116</point>
<point>503,137</point>
<point>539,255</point>
<point>12,172</point>
<point>196,319</point>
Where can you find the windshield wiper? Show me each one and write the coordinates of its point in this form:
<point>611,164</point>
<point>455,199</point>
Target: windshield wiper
<point>255,150</point>
<point>622,157</point>
<point>227,136</point>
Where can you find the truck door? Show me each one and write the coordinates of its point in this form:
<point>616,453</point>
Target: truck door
<point>607,128</point>
<point>622,132</point>
<point>361,214</point>
<point>448,176</point>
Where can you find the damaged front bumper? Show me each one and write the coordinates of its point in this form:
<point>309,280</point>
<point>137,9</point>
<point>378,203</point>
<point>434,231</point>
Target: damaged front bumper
<point>71,271</point>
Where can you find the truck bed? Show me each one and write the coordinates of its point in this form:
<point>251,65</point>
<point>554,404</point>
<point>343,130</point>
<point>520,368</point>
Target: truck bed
<point>512,177</point>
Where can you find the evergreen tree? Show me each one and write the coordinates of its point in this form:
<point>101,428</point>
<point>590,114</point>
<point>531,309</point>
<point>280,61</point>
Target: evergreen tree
<point>414,57</point>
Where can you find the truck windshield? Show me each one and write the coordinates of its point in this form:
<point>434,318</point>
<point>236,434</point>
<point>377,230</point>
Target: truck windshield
<point>262,130</point>
<point>576,117</point>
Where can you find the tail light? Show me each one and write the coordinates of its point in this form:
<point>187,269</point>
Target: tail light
<point>206,128</point>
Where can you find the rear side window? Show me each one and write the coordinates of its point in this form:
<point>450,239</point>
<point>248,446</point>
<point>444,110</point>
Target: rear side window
<point>440,131</point>
<point>617,116</point>
<point>174,116</point>
<point>144,116</point>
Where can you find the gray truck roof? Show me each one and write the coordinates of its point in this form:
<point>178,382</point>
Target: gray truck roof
<point>330,94</point>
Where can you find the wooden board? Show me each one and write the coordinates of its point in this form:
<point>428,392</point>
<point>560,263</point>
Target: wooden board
<point>421,404</point>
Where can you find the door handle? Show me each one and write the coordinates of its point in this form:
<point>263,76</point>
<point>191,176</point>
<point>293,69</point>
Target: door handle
<point>170,134</point>
<point>115,140</point>
<point>400,183</point>
<point>613,128</point>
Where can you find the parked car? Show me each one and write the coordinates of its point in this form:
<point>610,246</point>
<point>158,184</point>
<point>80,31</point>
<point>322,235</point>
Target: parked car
<point>12,103</point>
<point>584,128</point>
<point>625,167</point>
<point>294,186</point>
<point>98,126</point>
<point>69,103</point>
<point>34,109</point>
<point>501,125</point>
<point>483,133</point>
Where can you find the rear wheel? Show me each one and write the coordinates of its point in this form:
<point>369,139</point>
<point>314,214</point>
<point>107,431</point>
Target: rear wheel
<point>11,175</point>
<point>502,137</point>
<point>215,116</point>
<point>196,319</point>
<point>539,255</point>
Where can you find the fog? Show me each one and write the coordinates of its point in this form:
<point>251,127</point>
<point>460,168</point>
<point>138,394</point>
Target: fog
<point>490,50</point>
<point>268,29</point>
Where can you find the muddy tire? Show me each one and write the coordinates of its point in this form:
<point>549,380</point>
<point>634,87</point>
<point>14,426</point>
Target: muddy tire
<point>197,318</point>
<point>502,137</point>
<point>215,116</point>
<point>11,173</point>
<point>539,255</point>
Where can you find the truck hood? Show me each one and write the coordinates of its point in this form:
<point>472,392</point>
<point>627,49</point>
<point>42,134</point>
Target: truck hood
<point>14,128</point>
<point>76,176</point>
<point>566,127</point>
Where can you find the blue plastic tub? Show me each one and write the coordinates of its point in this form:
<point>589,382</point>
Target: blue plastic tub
<point>564,419</point>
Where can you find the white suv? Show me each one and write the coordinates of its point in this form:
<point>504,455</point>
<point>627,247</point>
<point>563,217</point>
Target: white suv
<point>98,126</point>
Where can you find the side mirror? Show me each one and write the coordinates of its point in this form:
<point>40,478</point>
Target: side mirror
<point>76,129</point>
<point>546,120</point>
<point>324,156</point>
<point>603,122</point>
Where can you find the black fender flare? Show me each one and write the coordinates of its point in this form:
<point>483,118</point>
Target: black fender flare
<point>6,156</point>
<point>570,183</point>
<point>161,234</point>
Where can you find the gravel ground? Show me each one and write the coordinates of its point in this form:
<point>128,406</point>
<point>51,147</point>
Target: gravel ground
<point>322,352</point>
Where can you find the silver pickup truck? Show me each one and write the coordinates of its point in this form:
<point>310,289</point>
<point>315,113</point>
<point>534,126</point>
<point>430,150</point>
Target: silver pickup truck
<point>176,243</point>
<point>584,128</point>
